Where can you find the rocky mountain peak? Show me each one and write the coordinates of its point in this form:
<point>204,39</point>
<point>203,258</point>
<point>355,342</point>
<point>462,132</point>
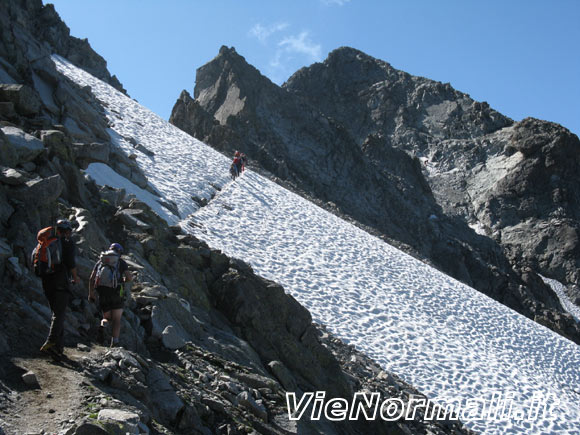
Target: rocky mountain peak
<point>227,84</point>
<point>345,67</point>
<point>369,96</point>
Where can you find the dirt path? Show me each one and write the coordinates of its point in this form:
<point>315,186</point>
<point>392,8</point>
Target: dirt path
<point>56,405</point>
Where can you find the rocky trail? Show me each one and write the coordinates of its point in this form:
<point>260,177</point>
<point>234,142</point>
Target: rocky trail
<point>54,397</point>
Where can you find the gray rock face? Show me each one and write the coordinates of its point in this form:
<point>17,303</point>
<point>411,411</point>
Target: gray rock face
<point>25,24</point>
<point>91,153</point>
<point>283,375</point>
<point>12,177</point>
<point>24,98</point>
<point>410,159</point>
<point>167,403</point>
<point>118,421</point>
<point>89,428</point>
<point>24,146</point>
<point>30,379</point>
<point>245,400</point>
<point>39,191</point>
<point>279,329</point>
<point>534,209</point>
<point>171,339</point>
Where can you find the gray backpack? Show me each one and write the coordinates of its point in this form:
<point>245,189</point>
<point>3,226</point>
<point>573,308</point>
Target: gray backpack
<point>108,270</point>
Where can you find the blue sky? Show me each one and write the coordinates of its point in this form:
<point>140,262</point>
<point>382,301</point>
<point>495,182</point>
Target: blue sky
<point>521,56</point>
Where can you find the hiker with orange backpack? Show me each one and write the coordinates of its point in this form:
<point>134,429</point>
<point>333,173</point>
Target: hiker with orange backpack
<point>110,278</point>
<point>54,262</point>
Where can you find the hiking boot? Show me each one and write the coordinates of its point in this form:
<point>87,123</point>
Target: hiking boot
<point>51,349</point>
<point>115,342</point>
<point>48,347</point>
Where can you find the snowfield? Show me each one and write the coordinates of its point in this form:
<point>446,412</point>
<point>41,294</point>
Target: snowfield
<point>453,343</point>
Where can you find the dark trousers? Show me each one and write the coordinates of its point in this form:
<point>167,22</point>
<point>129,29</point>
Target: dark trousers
<point>57,300</point>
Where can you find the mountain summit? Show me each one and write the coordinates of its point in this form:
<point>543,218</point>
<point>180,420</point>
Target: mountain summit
<point>424,166</point>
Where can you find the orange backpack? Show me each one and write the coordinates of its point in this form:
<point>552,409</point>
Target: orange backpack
<point>48,253</point>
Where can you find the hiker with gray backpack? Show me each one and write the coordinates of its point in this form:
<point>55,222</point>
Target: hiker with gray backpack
<point>111,279</point>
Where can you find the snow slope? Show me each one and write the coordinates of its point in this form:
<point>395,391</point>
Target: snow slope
<point>451,342</point>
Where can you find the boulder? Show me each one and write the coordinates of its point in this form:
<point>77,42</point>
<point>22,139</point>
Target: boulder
<point>283,375</point>
<point>6,210</point>
<point>87,153</point>
<point>30,379</point>
<point>256,381</point>
<point>125,358</point>
<point>129,169</point>
<point>40,191</point>
<point>90,428</point>
<point>170,311</point>
<point>22,145</point>
<point>57,143</point>
<point>130,218</point>
<point>7,110</point>
<point>171,339</point>
<point>83,116</point>
<point>119,422</point>
<point>155,291</point>
<point>166,403</point>
<point>245,400</point>
<point>12,177</point>
<point>8,154</point>
<point>25,99</point>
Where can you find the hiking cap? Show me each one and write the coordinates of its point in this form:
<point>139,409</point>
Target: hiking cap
<point>64,224</point>
<point>116,247</point>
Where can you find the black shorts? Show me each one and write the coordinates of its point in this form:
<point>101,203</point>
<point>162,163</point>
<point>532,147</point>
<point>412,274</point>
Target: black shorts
<point>110,298</point>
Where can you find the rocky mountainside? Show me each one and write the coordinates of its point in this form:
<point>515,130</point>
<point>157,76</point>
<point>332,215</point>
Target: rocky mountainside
<point>412,160</point>
<point>511,180</point>
<point>207,345</point>
<point>31,32</point>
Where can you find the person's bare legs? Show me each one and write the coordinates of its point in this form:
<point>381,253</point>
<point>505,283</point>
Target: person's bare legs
<point>115,316</point>
<point>103,326</point>
<point>106,319</point>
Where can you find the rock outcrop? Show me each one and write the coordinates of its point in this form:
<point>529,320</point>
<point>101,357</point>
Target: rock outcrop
<point>412,160</point>
<point>28,27</point>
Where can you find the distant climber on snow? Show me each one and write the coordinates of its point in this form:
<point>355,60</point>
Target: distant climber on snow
<point>244,161</point>
<point>238,165</point>
<point>111,279</point>
<point>54,262</point>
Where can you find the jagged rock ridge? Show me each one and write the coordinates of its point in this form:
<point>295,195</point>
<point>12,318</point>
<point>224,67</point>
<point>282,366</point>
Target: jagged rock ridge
<point>410,159</point>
